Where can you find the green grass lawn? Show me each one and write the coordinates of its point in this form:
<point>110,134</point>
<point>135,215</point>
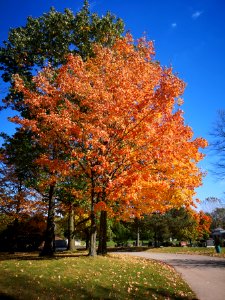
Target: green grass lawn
<point>77,276</point>
<point>190,250</point>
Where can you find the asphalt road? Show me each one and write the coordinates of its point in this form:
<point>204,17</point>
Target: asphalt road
<point>204,274</point>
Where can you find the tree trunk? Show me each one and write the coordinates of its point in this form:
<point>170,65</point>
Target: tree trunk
<point>87,233</point>
<point>93,233</point>
<point>137,232</point>
<point>13,236</point>
<point>71,239</point>
<point>49,247</point>
<point>93,229</point>
<point>13,245</point>
<point>155,240</point>
<point>102,246</point>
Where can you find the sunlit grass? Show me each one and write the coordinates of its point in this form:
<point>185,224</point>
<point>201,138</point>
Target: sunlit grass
<point>81,277</point>
<point>190,250</point>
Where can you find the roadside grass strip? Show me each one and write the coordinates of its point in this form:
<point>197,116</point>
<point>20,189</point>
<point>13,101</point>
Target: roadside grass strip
<point>210,251</point>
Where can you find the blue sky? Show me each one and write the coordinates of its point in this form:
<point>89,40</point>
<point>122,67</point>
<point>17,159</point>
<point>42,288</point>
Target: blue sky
<point>188,34</point>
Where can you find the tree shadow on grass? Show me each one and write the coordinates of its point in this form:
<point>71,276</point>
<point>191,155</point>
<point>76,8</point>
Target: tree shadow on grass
<point>201,263</point>
<point>25,288</point>
<point>4,296</point>
<point>62,254</point>
<point>36,256</point>
<point>128,249</point>
<point>146,293</point>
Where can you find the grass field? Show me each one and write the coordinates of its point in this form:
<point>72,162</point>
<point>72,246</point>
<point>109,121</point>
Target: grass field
<point>76,276</point>
<point>190,250</point>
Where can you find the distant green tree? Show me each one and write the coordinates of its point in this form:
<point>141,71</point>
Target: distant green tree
<point>180,223</point>
<point>218,218</point>
<point>49,38</point>
<point>121,233</point>
<point>20,151</point>
<point>18,176</point>
<point>157,224</point>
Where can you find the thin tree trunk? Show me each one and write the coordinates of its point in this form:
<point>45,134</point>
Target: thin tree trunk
<point>14,227</point>
<point>49,247</point>
<point>93,233</point>
<point>155,240</point>
<point>71,239</point>
<point>13,236</point>
<point>87,233</point>
<point>137,232</point>
<point>93,230</point>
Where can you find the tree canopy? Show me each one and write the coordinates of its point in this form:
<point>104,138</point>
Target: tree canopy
<point>112,118</point>
<point>49,38</point>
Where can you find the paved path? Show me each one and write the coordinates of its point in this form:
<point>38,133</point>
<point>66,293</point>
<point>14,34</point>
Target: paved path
<point>204,274</point>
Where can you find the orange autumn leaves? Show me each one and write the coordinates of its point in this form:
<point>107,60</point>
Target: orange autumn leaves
<point>114,117</point>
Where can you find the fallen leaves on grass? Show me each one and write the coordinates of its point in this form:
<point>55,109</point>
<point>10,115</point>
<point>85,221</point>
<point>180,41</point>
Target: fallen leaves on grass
<point>111,277</point>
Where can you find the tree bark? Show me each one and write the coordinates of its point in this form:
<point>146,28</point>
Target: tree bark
<point>93,229</point>
<point>49,247</point>
<point>13,236</point>
<point>71,239</point>
<point>93,233</point>
<point>87,233</point>
<point>14,228</point>
<point>137,232</point>
<point>102,246</point>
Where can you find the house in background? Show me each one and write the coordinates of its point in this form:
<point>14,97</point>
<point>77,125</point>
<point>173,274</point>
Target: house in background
<point>220,232</point>
<point>61,244</point>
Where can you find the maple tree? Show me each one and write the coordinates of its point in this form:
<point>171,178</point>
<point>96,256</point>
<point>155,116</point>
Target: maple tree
<point>204,222</point>
<point>114,116</point>
<point>48,39</point>
<point>188,224</point>
<point>176,224</point>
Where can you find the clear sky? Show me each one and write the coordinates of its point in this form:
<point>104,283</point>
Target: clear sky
<point>188,34</point>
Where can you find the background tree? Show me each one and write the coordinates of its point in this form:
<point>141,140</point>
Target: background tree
<point>29,233</point>
<point>204,225</point>
<point>182,224</point>
<point>121,233</point>
<point>218,218</point>
<point>18,197</point>
<point>159,229</point>
<point>175,224</point>
<point>73,205</point>
<point>218,144</point>
<point>210,204</point>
